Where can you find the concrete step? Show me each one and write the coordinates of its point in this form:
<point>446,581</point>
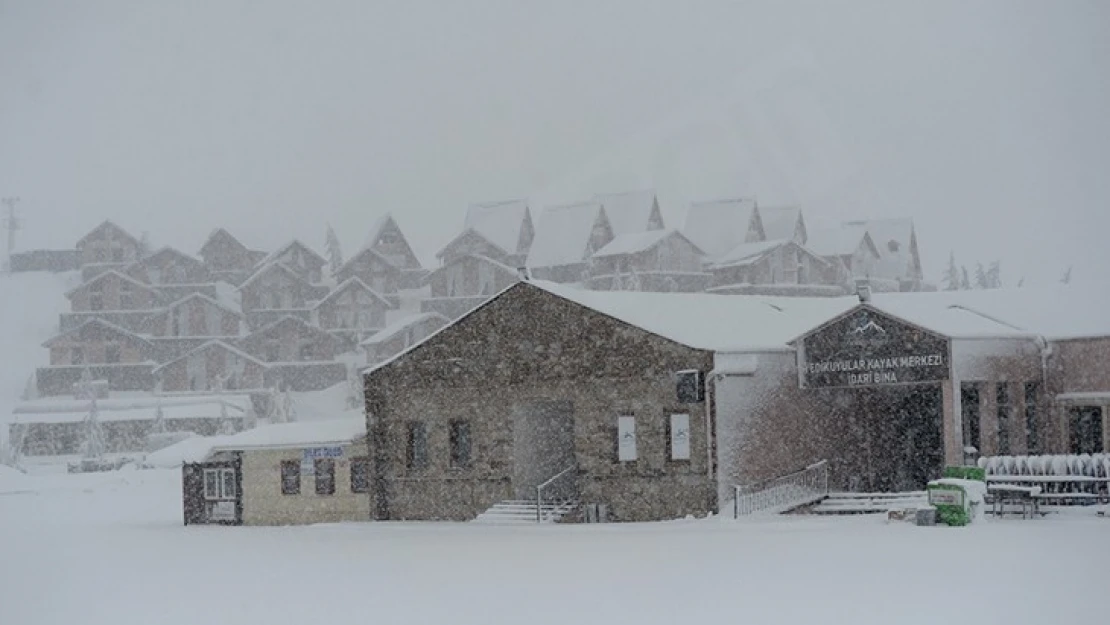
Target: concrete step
<point>524,512</point>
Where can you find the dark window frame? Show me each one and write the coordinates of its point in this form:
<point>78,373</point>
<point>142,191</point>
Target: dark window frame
<point>1033,441</point>
<point>324,470</point>
<point>461,444</point>
<point>290,477</point>
<point>360,474</point>
<point>669,416</point>
<point>1005,420</point>
<point>416,446</point>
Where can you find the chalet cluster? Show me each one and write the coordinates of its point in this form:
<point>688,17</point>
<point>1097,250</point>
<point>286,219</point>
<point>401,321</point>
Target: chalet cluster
<point>229,319</point>
<point>620,242</point>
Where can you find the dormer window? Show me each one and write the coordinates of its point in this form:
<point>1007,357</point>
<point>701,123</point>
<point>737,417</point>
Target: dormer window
<point>387,238</point>
<point>892,246</point>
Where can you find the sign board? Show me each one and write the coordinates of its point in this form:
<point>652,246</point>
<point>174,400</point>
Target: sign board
<point>222,511</point>
<point>308,466</point>
<point>626,438</point>
<point>680,436</point>
<point>946,497</point>
<point>868,348</point>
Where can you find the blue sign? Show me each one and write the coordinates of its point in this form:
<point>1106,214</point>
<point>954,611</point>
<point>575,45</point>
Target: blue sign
<point>323,452</point>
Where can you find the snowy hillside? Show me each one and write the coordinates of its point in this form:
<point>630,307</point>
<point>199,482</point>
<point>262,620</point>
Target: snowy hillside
<point>29,307</point>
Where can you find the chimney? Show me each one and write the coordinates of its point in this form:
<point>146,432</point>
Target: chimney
<point>522,273</point>
<point>863,290</point>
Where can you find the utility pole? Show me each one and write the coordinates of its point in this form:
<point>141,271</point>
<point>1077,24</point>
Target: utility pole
<point>11,224</point>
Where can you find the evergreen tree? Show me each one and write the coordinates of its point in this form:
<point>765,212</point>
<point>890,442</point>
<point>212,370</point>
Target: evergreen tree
<point>144,245</point>
<point>980,277</point>
<point>965,283</point>
<point>335,254</point>
<point>994,275</point>
<point>159,425</point>
<point>1067,276</point>
<point>952,276</point>
<point>355,396</point>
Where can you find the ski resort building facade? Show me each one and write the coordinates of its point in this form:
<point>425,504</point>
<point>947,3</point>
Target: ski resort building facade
<point>654,406</point>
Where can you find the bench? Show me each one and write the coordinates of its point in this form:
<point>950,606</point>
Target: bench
<point>1025,497</point>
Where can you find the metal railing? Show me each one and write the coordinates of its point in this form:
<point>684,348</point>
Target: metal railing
<point>780,493</point>
<point>553,483</point>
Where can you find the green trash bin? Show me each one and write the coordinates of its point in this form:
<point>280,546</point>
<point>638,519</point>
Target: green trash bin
<point>957,500</point>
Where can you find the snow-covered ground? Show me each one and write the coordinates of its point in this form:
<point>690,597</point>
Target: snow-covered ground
<point>110,548</point>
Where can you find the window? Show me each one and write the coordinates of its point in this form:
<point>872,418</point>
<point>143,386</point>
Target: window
<point>111,352</point>
<point>460,444</point>
<point>893,245</point>
<point>680,436</point>
<point>219,484</point>
<point>969,409</point>
<point>1085,430</point>
<point>360,475</point>
<point>626,438</point>
<point>416,448</point>
<point>1032,432</point>
<point>76,356</point>
<point>96,298</point>
<point>290,477</point>
<point>126,296</point>
<point>1003,396</point>
<point>325,476</point>
<point>305,352</point>
<point>117,254</point>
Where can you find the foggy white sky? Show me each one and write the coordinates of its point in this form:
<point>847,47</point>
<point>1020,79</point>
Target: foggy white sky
<point>986,121</point>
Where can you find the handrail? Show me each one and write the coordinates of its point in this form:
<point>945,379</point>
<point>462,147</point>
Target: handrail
<point>793,489</point>
<point>540,488</point>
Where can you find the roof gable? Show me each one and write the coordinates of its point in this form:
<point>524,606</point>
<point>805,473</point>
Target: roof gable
<point>111,273</point>
<point>506,224</point>
<point>637,242</point>
<point>213,344</point>
<point>362,256</point>
<point>98,323</point>
<point>384,227</point>
<point>565,233</point>
<point>206,299</point>
<point>497,265</point>
<point>470,235</point>
<point>170,253</point>
<point>632,211</point>
<point>317,261</point>
<point>219,236</point>
<point>718,226</point>
<point>108,226</point>
<point>403,324</point>
<point>349,284</point>
<point>302,326</point>
<point>271,267</point>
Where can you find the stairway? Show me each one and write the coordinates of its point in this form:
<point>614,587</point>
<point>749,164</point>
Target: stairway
<point>869,503</point>
<point>523,512</point>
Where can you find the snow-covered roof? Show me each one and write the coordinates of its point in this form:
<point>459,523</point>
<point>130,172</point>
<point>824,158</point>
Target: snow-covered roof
<point>100,321</point>
<point>267,267</point>
<point>107,224</point>
<point>364,251</point>
<point>892,238</point>
<point>499,222</point>
<point>628,212</point>
<point>303,325</point>
<point>237,311</point>
<point>299,434</point>
<point>749,251</point>
<point>500,266</point>
<point>563,234</point>
<point>636,242</point>
<point>718,226</point>
<point>220,233</point>
<point>311,253</point>
<point>111,272</point>
<point>228,295</point>
<point>711,322</point>
<point>401,325</point>
<point>57,410</point>
<point>840,241</point>
<point>168,251</point>
<point>349,283</point>
<point>214,342</point>
<point>779,222</point>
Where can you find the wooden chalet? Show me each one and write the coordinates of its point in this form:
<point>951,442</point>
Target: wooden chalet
<point>352,311</point>
<point>301,259</point>
<point>567,237</point>
<point>632,212</point>
<point>276,291</point>
<point>227,258</point>
<point>113,291</point>
<point>784,222</point>
<point>464,282</point>
<point>300,356</point>
<point>851,251</point>
<point>718,226</point>
<point>213,366</point>
<point>899,259</point>
<point>400,335</point>
<point>375,271</point>
<point>112,353</point>
<point>107,245</point>
<point>168,266</point>
<point>652,260</point>
<point>778,267</point>
<point>386,239</point>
